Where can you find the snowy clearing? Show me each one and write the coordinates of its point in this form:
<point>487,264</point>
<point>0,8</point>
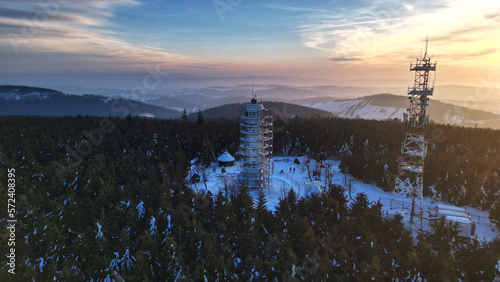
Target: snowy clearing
<point>288,175</point>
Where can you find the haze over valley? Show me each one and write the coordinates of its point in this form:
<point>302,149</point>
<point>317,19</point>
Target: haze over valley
<point>459,105</point>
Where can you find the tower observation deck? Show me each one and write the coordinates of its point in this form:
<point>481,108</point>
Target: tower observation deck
<point>256,139</point>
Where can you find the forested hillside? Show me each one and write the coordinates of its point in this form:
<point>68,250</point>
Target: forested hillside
<point>102,199</point>
<point>283,110</point>
<point>23,100</point>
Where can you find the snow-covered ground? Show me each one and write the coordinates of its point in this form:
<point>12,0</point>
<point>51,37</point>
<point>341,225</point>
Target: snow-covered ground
<point>288,175</point>
<point>360,108</point>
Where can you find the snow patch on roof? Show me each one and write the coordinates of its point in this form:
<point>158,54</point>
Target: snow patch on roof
<point>225,157</point>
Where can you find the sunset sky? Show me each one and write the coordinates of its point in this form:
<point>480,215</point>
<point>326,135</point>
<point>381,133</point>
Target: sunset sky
<point>347,43</point>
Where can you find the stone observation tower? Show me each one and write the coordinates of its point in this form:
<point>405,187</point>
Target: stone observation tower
<point>256,139</point>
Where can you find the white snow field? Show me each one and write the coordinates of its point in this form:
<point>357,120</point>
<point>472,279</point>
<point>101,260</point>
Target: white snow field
<point>288,175</point>
<point>360,108</point>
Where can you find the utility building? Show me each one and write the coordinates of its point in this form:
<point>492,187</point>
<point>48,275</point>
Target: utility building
<point>256,139</point>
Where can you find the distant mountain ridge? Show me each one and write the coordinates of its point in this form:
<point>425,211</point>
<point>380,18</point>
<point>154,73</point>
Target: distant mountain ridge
<point>225,102</point>
<point>388,106</point>
<point>194,99</point>
<point>24,100</point>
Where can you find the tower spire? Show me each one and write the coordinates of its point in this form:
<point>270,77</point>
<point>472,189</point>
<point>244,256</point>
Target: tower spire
<point>253,95</point>
<point>426,46</point>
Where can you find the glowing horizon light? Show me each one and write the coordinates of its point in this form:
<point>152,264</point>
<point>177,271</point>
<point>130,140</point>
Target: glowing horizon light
<point>333,42</point>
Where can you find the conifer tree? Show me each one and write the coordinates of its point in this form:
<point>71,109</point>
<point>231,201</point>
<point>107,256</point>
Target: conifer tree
<point>495,211</point>
<point>264,216</point>
<point>200,118</point>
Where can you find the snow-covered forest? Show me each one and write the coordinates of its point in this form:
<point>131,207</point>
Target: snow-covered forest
<point>105,199</point>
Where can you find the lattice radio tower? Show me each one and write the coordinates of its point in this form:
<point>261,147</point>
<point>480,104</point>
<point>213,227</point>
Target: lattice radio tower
<point>410,178</point>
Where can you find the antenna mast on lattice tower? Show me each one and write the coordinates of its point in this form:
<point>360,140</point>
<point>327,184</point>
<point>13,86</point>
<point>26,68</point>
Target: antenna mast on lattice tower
<point>410,178</point>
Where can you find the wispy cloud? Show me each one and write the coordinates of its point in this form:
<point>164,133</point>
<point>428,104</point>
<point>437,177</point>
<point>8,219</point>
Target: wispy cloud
<point>344,59</point>
<point>73,27</point>
<point>457,34</point>
<point>347,30</point>
<point>290,8</point>
<point>469,55</point>
<point>192,10</point>
<point>386,27</point>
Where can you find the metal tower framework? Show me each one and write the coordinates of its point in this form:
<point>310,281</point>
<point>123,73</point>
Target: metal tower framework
<point>410,178</point>
<point>256,138</point>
